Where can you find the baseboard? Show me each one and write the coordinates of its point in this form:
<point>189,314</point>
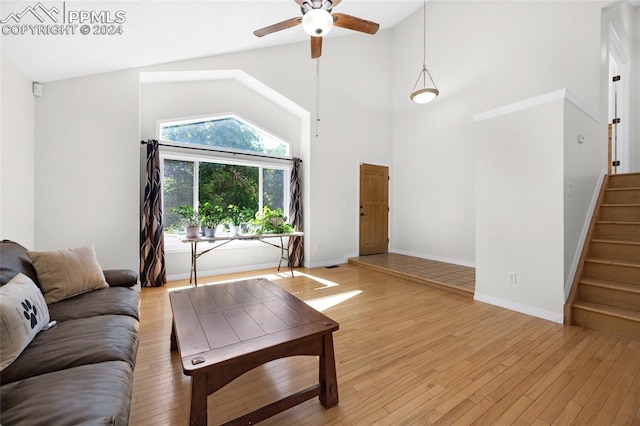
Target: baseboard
<point>223,271</point>
<point>436,258</point>
<point>325,263</point>
<point>518,307</point>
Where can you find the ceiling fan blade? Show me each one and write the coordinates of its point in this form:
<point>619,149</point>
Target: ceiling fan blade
<point>300,2</point>
<point>334,3</point>
<point>316,47</point>
<point>277,27</point>
<point>353,23</point>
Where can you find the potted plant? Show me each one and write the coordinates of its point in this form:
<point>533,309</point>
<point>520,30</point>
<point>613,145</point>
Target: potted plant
<point>236,217</point>
<point>211,217</point>
<point>272,221</point>
<point>189,217</point>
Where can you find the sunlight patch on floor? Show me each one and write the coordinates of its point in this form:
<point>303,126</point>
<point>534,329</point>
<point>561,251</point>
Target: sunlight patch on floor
<point>326,283</point>
<point>272,276</point>
<point>323,303</point>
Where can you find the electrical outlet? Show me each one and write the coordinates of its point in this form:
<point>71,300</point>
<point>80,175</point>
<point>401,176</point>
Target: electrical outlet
<point>511,278</point>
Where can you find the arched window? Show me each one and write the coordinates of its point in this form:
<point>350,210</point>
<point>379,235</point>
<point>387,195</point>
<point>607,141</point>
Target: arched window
<point>229,132</point>
<point>221,161</point>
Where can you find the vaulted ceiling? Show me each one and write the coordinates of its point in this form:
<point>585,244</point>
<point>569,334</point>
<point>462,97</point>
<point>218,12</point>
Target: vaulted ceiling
<point>156,32</point>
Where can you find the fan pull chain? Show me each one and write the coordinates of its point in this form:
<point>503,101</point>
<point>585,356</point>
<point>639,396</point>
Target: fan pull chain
<point>317,96</point>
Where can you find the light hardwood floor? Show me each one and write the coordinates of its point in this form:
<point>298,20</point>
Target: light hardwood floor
<point>456,278</point>
<point>407,354</point>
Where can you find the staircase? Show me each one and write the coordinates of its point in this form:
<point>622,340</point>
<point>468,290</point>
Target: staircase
<point>606,292</point>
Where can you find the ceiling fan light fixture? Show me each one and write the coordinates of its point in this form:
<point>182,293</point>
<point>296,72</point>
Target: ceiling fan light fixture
<point>317,22</point>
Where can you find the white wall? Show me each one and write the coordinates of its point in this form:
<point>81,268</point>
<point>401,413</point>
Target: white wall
<point>17,112</point>
<point>519,205</point>
<point>492,194</point>
<point>584,164</point>
<point>88,144</point>
<point>355,126</point>
<point>482,55</point>
<point>87,160</point>
<point>162,101</point>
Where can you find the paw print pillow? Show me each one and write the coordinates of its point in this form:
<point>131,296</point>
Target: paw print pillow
<point>23,313</point>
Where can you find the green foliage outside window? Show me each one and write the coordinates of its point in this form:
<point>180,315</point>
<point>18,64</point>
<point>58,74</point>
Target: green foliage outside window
<point>231,188</point>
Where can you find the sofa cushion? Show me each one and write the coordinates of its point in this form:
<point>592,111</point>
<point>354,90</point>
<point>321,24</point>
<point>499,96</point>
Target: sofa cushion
<point>95,394</point>
<point>77,342</point>
<point>67,272</point>
<point>109,301</point>
<point>120,277</point>
<point>14,261</point>
<point>23,313</point>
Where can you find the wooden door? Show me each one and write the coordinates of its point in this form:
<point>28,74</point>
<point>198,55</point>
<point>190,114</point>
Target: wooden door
<point>374,209</point>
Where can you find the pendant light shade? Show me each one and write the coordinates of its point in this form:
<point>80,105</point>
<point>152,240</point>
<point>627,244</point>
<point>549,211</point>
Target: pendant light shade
<point>317,22</point>
<point>425,93</point>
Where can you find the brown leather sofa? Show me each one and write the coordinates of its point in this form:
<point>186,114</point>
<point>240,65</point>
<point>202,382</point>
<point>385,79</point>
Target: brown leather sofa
<point>79,371</point>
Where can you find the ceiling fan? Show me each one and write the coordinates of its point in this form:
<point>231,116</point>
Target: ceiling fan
<point>317,20</point>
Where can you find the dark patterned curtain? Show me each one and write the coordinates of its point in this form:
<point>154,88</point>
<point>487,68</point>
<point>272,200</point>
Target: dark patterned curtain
<point>152,266</point>
<point>296,244</point>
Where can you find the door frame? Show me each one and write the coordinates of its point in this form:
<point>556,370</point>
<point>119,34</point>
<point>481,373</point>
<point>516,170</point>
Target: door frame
<point>357,204</point>
<point>617,52</point>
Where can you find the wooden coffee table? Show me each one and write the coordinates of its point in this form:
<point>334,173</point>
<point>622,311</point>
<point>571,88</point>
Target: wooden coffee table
<point>224,330</point>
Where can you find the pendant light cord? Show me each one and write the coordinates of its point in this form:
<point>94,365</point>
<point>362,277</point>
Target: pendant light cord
<point>424,94</point>
<point>425,72</point>
<point>317,96</point>
<point>424,26</point>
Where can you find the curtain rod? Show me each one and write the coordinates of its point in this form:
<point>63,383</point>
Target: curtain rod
<point>195,148</point>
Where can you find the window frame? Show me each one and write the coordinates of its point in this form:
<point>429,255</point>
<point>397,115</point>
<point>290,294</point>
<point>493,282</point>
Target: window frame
<point>182,151</point>
<point>218,149</point>
<point>168,153</point>
<point>177,153</point>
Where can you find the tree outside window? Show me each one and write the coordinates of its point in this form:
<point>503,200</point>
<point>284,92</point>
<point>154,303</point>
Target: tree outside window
<point>246,186</point>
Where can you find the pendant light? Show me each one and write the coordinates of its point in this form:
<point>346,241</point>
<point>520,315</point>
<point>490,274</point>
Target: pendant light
<point>424,94</point>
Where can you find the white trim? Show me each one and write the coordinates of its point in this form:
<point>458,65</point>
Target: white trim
<point>436,258</point>
<point>622,140</point>
<point>233,74</point>
<point>583,236</point>
<point>518,307</point>
<point>325,263</point>
<point>615,46</point>
<point>202,275</point>
<point>535,101</point>
<point>573,99</point>
<point>218,117</point>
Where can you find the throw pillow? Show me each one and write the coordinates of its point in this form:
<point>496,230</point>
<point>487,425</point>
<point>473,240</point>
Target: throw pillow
<point>23,313</point>
<point>67,272</point>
